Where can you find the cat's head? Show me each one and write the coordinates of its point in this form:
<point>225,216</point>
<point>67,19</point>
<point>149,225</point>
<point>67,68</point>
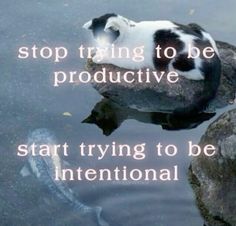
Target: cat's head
<point>108,28</point>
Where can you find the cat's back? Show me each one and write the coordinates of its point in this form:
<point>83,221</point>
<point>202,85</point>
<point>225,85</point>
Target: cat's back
<point>155,25</point>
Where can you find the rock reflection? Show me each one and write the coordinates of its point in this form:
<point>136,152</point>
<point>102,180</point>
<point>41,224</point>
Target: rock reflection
<point>108,116</point>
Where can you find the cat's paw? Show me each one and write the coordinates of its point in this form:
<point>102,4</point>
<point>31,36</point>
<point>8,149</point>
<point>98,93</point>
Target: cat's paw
<point>97,59</point>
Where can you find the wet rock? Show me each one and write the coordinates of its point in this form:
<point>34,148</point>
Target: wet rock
<point>166,96</point>
<point>214,178</point>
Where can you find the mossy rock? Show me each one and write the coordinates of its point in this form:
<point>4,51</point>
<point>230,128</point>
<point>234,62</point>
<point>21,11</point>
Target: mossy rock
<point>214,178</point>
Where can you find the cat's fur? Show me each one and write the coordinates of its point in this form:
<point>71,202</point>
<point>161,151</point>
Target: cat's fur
<point>122,32</point>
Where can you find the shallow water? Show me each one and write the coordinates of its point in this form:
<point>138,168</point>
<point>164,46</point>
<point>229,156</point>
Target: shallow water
<point>29,101</point>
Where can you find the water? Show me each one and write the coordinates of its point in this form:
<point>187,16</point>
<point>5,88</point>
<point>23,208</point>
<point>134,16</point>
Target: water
<point>29,101</point>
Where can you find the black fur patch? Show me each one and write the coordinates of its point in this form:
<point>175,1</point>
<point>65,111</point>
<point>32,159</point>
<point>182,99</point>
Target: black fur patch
<point>98,25</point>
<point>191,29</point>
<point>211,70</point>
<point>182,63</point>
<point>165,39</point>
<point>201,44</point>
<point>102,20</point>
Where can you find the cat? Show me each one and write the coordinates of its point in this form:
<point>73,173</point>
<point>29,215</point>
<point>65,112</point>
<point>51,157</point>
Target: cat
<point>119,31</point>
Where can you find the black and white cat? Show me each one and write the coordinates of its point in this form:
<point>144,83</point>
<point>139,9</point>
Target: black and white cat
<point>120,32</point>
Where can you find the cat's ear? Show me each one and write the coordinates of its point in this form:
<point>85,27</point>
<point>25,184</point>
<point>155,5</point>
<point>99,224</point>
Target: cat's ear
<point>113,24</point>
<point>88,25</point>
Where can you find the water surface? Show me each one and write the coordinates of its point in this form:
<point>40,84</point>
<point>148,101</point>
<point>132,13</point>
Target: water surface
<point>29,101</point>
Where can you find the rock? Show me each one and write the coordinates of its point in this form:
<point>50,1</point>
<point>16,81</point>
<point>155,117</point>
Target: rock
<point>165,96</point>
<point>214,178</point>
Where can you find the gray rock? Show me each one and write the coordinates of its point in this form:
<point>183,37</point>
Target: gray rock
<point>214,178</point>
<point>165,96</point>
